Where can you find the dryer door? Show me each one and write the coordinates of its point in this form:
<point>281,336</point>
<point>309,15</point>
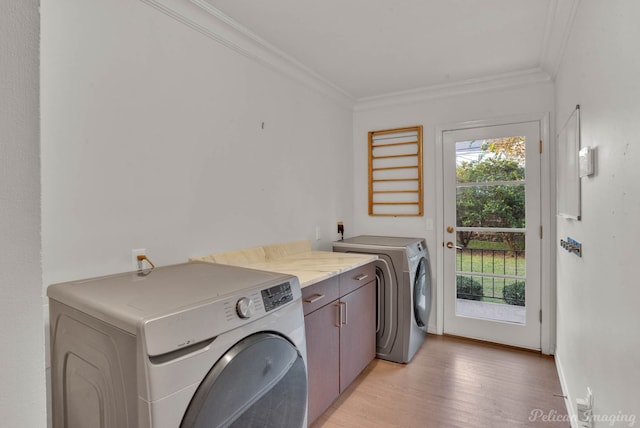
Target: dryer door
<point>422,294</point>
<point>259,382</point>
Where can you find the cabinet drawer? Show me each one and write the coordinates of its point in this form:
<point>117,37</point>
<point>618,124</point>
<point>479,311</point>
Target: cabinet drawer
<point>356,278</point>
<point>317,295</point>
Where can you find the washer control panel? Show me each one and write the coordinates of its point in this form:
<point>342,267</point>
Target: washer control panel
<point>276,296</point>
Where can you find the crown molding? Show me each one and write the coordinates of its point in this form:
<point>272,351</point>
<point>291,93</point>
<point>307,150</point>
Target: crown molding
<point>560,16</point>
<point>211,22</point>
<point>501,81</point>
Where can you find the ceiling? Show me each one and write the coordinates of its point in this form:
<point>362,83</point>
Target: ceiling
<point>369,48</point>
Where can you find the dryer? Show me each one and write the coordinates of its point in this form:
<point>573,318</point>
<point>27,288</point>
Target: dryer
<point>403,280</point>
<point>190,345</point>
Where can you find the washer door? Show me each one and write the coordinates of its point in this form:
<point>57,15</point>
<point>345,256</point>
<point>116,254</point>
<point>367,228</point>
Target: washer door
<point>259,382</point>
<point>422,293</point>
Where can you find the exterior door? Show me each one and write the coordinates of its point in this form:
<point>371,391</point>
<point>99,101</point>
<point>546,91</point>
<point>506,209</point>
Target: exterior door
<point>492,233</point>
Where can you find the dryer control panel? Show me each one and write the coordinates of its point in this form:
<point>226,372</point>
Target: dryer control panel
<point>205,320</point>
<point>276,296</point>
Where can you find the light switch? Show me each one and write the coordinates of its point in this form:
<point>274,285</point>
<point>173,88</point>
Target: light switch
<point>428,223</point>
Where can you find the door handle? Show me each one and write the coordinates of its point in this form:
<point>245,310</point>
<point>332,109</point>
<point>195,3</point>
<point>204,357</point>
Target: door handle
<point>342,321</point>
<point>345,312</point>
<point>451,245</point>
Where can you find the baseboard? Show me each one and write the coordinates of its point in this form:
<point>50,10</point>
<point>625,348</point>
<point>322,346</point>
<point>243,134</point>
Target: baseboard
<point>568,400</point>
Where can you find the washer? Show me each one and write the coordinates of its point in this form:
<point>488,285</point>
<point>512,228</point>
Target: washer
<point>190,345</point>
<point>403,279</point>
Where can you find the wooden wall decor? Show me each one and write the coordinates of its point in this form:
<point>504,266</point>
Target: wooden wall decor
<point>395,172</point>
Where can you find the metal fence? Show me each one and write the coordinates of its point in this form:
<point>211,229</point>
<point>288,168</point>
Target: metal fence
<point>491,275</point>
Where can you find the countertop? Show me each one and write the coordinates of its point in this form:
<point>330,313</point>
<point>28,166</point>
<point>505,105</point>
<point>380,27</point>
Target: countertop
<point>294,258</point>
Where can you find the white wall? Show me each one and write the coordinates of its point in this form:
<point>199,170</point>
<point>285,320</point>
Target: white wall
<point>598,294</point>
<point>431,114</point>
<point>22,379</point>
<point>152,138</point>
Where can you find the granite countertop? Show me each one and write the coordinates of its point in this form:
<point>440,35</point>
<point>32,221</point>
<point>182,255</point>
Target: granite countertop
<point>294,258</point>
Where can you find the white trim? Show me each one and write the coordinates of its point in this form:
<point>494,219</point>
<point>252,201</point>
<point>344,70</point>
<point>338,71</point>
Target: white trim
<point>209,21</point>
<point>559,23</point>
<point>560,16</point>
<point>548,250</point>
<point>548,257</point>
<point>483,123</point>
<point>572,412</point>
<point>439,222</point>
<point>501,81</point>
<point>491,275</point>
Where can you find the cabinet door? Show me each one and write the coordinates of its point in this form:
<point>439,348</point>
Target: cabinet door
<point>323,358</point>
<point>358,332</point>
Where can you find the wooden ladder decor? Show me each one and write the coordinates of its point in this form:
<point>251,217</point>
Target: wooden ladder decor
<point>395,172</point>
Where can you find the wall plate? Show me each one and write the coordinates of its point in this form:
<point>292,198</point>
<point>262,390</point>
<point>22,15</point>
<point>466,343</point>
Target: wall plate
<point>585,157</point>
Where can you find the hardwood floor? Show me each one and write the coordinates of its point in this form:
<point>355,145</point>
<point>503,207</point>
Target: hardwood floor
<point>454,382</point>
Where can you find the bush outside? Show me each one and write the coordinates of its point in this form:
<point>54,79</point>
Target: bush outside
<point>468,288</point>
<point>514,293</point>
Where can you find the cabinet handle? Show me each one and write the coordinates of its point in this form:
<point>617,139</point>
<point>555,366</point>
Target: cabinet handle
<point>314,298</point>
<point>345,312</point>
<point>339,325</point>
<point>361,277</point>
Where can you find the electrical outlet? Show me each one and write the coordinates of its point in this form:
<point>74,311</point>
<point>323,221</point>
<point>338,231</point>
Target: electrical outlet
<point>584,407</point>
<point>135,263</point>
<point>317,233</point>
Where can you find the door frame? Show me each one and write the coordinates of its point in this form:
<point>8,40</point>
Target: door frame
<point>547,207</point>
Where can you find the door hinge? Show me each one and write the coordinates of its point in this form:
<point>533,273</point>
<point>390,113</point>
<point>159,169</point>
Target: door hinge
<point>540,146</point>
<point>540,316</point>
<point>540,232</point>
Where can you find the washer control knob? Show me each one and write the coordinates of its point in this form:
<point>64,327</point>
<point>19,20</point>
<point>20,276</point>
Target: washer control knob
<point>245,308</point>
